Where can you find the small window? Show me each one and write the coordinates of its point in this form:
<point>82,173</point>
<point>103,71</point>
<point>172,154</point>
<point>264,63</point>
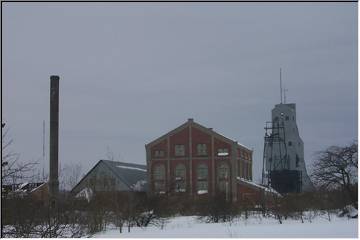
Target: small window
<point>179,150</point>
<point>293,118</point>
<point>105,182</point>
<point>297,161</point>
<point>223,152</point>
<point>290,143</point>
<point>287,118</point>
<point>159,153</point>
<point>93,181</point>
<point>201,149</point>
<point>276,119</point>
<point>112,181</point>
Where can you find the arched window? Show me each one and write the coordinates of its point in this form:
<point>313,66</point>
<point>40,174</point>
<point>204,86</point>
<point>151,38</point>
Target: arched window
<point>223,176</point>
<point>159,178</point>
<point>202,179</point>
<point>180,178</point>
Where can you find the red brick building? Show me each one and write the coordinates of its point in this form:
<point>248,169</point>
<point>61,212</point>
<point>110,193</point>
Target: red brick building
<point>196,160</point>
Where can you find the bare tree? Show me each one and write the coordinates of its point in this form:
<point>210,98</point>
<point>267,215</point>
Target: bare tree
<point>70,175</point>
<point>12,169</point>
<point>336,168</point>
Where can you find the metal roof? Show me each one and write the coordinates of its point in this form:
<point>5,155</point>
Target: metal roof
<point>129,173</point>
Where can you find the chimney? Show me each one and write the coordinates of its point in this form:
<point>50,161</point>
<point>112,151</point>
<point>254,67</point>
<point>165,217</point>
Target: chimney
<point>54,139</point>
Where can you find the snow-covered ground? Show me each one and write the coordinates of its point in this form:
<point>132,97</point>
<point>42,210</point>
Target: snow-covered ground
<point>255,226</point>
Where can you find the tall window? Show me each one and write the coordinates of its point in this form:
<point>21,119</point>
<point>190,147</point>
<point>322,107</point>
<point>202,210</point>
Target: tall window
<point>159,178</point>
<point>180,178</point>
<point>223,177</point>
<point>250,171</point>
<point>244,170</point>
<point>179,150</point>
<point>202,179</point>
<point>201,149</point>
<point>297,161</point>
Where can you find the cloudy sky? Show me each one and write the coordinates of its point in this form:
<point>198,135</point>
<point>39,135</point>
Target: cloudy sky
<point>130,72</point>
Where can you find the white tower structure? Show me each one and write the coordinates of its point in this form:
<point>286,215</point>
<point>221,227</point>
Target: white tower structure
<point>284,152</point>
<point>283,160</point>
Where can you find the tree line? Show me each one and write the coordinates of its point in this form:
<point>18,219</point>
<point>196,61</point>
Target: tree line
<point>334,174</point>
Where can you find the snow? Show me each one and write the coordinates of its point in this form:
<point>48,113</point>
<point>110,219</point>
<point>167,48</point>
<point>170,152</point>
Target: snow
<point>23,185</point>
<point>86,193</point>
<point>348,211</point>
<point>223,154</point>
<point>139,186</point>
<point>202,191</point>
<point>133,168</point>
<point>253,227</point>
<point>266,189</point>
<point>37,187</point>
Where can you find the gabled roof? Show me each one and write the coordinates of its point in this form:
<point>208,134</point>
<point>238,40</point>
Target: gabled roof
<point>200,127</point>
<point>131,174</point>
<point>134,176</point>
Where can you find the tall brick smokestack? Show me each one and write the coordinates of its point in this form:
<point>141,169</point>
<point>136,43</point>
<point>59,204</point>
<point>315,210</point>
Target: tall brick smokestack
<point>54,139</point>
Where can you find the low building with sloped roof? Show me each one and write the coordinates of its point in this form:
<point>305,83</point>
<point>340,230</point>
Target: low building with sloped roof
<point>107,176</point>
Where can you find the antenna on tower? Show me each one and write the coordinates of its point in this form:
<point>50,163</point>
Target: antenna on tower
<point>281,91</point>
<point>285,90</point>
<point>43,163</point>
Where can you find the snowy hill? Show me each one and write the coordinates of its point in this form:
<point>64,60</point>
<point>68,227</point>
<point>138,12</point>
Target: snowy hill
<point>255,226</point>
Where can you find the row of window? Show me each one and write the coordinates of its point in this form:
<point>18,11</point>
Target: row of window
<point>201,150</point>
<point>287,118</point>
<point>179,180</point>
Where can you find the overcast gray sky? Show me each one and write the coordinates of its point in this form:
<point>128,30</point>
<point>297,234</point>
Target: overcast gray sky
<point>130,72</point>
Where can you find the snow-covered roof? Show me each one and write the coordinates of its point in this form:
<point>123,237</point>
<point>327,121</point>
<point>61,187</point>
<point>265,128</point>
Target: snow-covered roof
<point>265,188</point>
<point>23,185</point>
<point>134,175</point>
<point>133,168</point>
<point>33,190</point>
<point>199,126</point>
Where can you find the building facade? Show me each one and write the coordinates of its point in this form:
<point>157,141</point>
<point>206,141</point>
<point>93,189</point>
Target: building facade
<point>195,160</point>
